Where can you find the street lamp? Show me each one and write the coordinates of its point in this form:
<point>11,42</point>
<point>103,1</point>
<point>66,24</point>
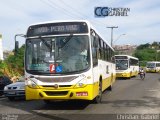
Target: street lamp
<point>16,42</point>
<point>112,33</point>
<point>118,37</point>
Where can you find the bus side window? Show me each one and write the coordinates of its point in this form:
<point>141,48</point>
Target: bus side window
<point>130,63</point>
<point>94,49</point>
<point>158,65</point>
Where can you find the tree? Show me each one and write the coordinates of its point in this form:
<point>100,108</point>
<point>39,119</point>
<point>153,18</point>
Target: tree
<point>13,65</point>
<point>143,46</point>
<point>148,52</point>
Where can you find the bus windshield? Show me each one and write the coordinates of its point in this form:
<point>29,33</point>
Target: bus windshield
<point>121,64</point>
<point>151,65</point>
<point>57,55</point>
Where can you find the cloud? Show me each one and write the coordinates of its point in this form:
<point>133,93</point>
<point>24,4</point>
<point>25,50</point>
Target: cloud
<point>141,26</point>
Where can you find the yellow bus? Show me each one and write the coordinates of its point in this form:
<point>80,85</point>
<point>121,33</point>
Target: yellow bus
<point>126,66</point>
<point>66,60</point>
<point>153,66</point>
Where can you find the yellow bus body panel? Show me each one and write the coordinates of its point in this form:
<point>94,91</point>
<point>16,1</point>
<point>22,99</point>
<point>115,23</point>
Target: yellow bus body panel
<point>127,74</point>
<point>34,94</point>
<point>91,89</point>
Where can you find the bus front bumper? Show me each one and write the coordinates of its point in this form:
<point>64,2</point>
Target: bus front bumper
<point>126,75</point>
<point>85,93</point>
<point>151,70</point>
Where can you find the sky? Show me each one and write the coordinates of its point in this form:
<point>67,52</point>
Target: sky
<point>141,26</point>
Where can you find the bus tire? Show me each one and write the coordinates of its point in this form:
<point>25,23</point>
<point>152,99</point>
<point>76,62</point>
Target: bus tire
<point>98,98</point>
<point>130,75</point>
<point>110,88</point>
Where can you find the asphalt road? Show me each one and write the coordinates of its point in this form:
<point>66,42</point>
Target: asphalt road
<point>129,99</point>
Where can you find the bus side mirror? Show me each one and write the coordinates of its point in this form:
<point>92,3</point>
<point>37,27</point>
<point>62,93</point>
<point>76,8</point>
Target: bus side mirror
<point>16,46</point>
<point>17,43</point>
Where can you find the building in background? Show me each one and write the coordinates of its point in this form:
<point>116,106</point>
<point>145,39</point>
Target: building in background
<point>125,49</point>
<point>7,53</point>
<point>1,49</point>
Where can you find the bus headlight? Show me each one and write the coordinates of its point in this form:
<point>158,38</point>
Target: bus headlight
<point>82,82</point>
<point>31,84</point>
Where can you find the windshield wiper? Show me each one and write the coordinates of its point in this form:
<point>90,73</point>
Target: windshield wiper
<point>44,42</point>
<point>67,39</point>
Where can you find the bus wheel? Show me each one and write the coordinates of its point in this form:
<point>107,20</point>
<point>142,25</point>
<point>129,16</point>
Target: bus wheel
<point>110,88</point>
<point>130,75</point>
<point>98,98</point>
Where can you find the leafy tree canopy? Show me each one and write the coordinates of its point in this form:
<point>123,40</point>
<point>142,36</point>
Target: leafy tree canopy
<point>14,64</point>
<point>148,52</point>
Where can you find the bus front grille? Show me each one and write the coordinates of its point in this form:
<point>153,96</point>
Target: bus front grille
<point>56,93</point>
<point>60,86</point>
<point>56,79</point>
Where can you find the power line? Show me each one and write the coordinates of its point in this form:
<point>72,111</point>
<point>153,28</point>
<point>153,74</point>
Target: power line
<point>100,23</point>
<point>55,7</point>
<point>79,15</point>
<point>64,10</point>
<point>73,9</point>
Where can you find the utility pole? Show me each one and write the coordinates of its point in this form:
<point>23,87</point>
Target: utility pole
<point>112,33</point>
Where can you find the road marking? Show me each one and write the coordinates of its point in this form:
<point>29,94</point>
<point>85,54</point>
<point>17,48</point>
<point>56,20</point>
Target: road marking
<point>153,90</point>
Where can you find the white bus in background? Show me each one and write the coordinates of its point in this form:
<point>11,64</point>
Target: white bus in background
<point>153,66</point>
<point>67,60</point>
<point>126,66</point>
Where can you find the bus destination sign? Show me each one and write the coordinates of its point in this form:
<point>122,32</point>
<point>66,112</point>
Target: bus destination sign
<point>57,28</point>
<point>121,57</point>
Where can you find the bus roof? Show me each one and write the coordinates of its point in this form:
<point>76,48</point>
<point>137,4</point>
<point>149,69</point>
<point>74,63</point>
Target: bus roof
<point>128,56</point>
<point>58,21</point>
<point>88,23</point>
<point>153,62</point>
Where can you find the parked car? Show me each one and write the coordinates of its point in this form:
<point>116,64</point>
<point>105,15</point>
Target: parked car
<point>3,82</point>
<point>15,90</point>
